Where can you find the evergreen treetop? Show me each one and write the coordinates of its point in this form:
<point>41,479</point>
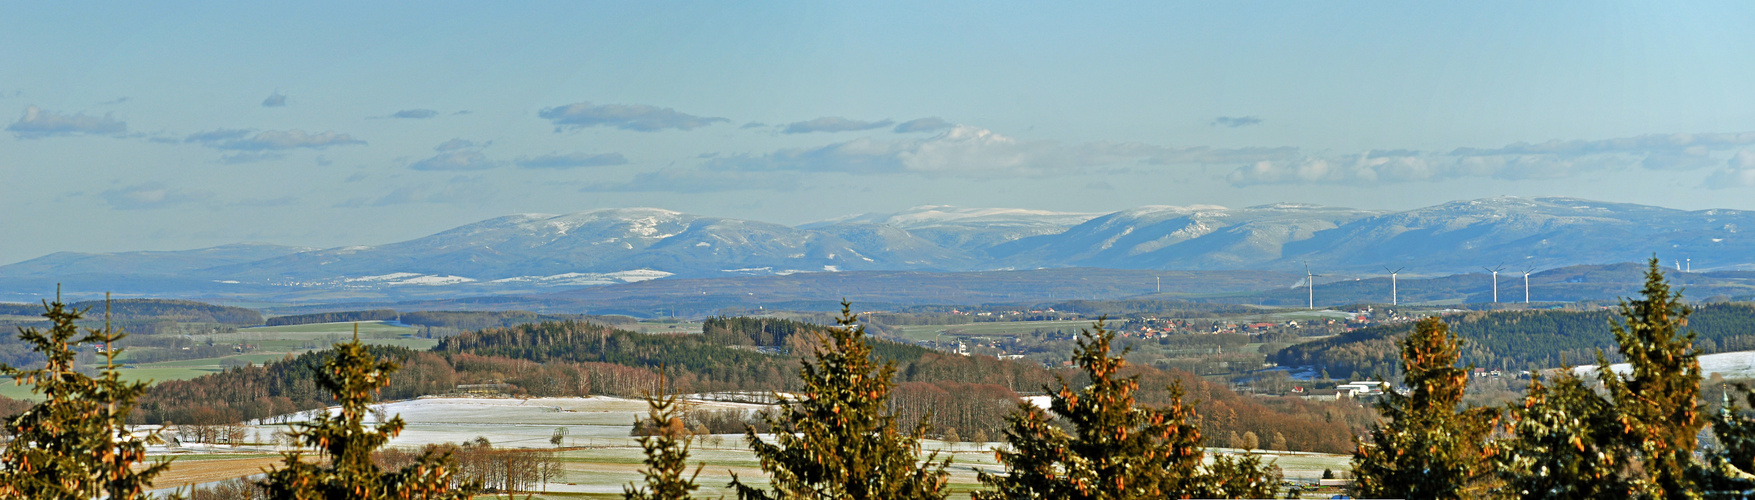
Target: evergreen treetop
<point>354,376</point>
<point>74,445</point>
<point>665,439</point>
<point>1427,448</point>
<point>835,439</point>
<point>1656,405</point>
<point>1563,445</point>
<point>1115,449</point>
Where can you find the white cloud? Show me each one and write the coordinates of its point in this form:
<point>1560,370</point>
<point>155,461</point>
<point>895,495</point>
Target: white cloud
<point>415,114</point>
<point>572,160</point>
<point>962,151</point>
<point>456,144</point>
<point>151,195</point>
<point>928,124</point>
<point>1235,121</point>
<point>455,160</point>
<point>270,140</point>
<point>678,180</point>
<point>1372,168</point>
<point>833,124</point>
<point>1517,161</point>
<point>1738,172</point>
<point>38,123</point>
<point>638,117</point>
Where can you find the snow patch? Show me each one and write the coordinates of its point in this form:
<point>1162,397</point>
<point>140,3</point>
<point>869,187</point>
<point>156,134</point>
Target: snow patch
<point>433,280</point>
<point>1738,364</point>
<point>589,279</point>
<point>385,277</point>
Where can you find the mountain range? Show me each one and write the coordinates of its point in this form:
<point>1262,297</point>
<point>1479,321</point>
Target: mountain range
<point>538,252</point>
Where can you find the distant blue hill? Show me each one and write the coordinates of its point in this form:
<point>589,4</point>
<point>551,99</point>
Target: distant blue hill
<point>532,253</point>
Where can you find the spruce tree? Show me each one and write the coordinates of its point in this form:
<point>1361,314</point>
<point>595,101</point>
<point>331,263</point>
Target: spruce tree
<point>666,438</point>
<point>835,440</point>
<point>1564,445</point>
<point>1427,448</point>
<point>1111,449</point>
<point>74,445</point>
<point>1655,404</point>
<point>344,468</point>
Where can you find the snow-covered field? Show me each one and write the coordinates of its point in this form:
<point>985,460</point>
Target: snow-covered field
<point>519,423</point>
<point>1739,364</point>
<point>601,457</point>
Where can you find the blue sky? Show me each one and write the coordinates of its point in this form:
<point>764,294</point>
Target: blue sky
<point>132,127</point>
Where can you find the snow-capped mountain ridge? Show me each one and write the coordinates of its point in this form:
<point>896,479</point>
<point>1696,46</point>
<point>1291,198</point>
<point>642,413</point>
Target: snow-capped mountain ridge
<point>629,244</point>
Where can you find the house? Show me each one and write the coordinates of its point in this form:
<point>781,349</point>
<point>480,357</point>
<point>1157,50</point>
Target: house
<point>1360,388</point>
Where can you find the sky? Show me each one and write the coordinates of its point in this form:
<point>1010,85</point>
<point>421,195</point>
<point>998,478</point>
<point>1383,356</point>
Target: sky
<point>130,126</point>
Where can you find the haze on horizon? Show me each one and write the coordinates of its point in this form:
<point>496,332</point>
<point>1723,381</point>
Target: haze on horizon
<point>148,127</point>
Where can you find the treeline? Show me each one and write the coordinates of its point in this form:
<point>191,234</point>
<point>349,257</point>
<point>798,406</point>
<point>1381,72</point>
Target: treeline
<point>455,320</point>
<point>752,331</point>
<point>1515,340</point>
<point>696,364</point>
<point>333,317</point>
<point>185,311</point>
<point>141,318</point>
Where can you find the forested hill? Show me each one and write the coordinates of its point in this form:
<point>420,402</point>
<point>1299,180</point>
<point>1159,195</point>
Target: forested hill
<point>1516,340</point>
<point>461,320</point>
<point>692,359</point>
<point>736,354</point>
<point>182,311</point>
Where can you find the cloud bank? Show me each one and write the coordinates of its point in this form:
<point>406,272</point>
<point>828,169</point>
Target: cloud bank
<point>270,140</point>
<point>415,114</point>
<point>455,161</point>
<point>1516,161</point>
<point>928,124</point>
<point>39,123</point>
<point>150,195</point>
<point>456,144</point>
<point>967,151</point>
<point>572,160</point>
<point>833,124</point>
<point>1235,121</point>
<point>636,117</point>
<point>682,180</point>
<point>1738,172</point>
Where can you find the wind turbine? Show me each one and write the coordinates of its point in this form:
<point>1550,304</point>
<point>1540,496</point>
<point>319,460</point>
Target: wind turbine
<point>1495,272</point>
<point>1394,297</point>
<point>1526,284</point>
<point>1310,285</point>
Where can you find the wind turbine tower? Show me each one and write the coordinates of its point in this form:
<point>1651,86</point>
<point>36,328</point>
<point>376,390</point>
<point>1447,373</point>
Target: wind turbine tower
<point>1310,285</point>
<point>1526,284</point>
<point>1495,272</point>
<point>1394,296</point>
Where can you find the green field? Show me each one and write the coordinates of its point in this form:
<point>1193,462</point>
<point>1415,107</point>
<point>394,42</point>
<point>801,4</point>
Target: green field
<point>273,343</point>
